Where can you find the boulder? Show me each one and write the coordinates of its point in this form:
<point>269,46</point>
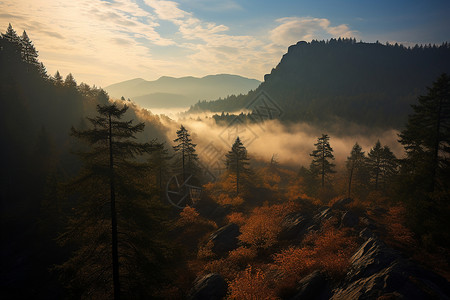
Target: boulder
<point>313,286</point>
<point>293,227</point>
<point>349,219</point>
<point>208,287</point>
<point>225,239</point>
<point>379,271</point>
<point>324,214</point>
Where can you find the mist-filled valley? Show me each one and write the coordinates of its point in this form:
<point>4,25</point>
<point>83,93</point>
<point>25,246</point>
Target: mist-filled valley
<point>328,180</point>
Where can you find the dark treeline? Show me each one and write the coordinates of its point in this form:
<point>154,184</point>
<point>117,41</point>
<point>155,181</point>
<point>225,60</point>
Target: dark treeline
<point>37,112</point>
<point>369,84</point>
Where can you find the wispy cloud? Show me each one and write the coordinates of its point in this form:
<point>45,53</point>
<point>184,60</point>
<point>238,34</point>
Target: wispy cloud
<point>103,42</point>
<point>293,29</point>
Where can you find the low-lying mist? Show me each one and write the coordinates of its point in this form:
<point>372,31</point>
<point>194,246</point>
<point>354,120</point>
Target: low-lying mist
<point>291,144</point>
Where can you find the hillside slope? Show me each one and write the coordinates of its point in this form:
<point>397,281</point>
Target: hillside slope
<point>365,83</point>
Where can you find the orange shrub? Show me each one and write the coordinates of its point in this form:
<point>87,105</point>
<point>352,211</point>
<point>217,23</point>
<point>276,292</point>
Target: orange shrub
<point>396,228</point>
<point>264,225</point>
<point>329,251</point>
<point>241,256</point>
<point>205,251</point>
<point>293,263</point>
<point>250,285</point>
<point>236,218</point>
<point>188,215</point>
<point>221,266</point>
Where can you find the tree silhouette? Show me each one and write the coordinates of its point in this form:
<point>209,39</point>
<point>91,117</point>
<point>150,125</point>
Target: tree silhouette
<point>29,53</point>
<point>57,79</point>
<point>320,164</point>
<point>110,173</point>
<point>426,137</point>
<point>356,165</point>
<point>186,152</point>
<point>159,162</point>
<point>382,164</point>
<point>70,81</point>
<point>11,35</point>
<point>237,161</point>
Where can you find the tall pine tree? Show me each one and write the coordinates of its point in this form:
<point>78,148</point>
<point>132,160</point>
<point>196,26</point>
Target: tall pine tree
<point>29,53</point>
<point>322,155</point>
<point>115,224</point>
<point>382,164</point>
<point>357,167</point>
<point>237,162</point>
<point>187,159</point>
<point>426,138</point>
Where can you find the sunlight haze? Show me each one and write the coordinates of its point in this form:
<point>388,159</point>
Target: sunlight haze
<point>153,38</point>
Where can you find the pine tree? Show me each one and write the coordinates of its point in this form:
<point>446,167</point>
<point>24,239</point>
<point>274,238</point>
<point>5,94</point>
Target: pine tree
<point>426,137</point>
<point>237,162</point>
<point>70,81</point>
<point>113,221</point>
<point>320,164</point>
<point>43,71</point>
<point>57,79</point>
<point>159,162</point>
<point>29,53</point>
<point>382,164</point>
<point>356,166</point>
<point>11,35</point>
<point>375,162</point>
<point>389,166</point>
<point>185,149</point>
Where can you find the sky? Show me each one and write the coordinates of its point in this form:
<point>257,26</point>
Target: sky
<point>102,42</point>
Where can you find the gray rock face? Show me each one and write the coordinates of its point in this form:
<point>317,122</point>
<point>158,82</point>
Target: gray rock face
<point>377,270</point>
<point>293,227</point>
<point>349,219</point>
<point>323,215</point>
<point>209,287</point>
<point>225,239</point>
<point>313,286</point>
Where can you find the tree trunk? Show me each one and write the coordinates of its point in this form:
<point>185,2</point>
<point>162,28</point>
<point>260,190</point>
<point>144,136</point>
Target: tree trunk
<point>350,181</point>
<point>436,148</point>
<point>323,166</point>
<point>115,250</point>
<point>237,175</point>
<point>377,173</point>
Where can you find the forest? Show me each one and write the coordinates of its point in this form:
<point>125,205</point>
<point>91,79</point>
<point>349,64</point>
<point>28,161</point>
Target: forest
<point>342,80</point>
<point>101,199</point>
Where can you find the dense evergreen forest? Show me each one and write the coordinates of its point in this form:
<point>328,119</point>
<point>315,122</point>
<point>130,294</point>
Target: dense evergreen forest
<point>324,82</point>
<point>85,184</point>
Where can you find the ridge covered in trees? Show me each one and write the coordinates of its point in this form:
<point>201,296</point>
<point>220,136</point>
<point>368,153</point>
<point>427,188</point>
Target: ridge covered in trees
<point>323,82</point>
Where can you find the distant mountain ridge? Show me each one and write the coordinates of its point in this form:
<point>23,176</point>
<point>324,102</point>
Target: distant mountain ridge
<point>167,92</point>
<point>371,84</point>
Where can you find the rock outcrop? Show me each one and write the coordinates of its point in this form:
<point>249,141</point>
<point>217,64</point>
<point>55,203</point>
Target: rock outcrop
<point>208,287</point>
<point>225,239</point>
<point>379,271</point>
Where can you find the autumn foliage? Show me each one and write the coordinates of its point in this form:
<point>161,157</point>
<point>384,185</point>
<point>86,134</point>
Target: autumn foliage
<point>264,225</point>
<point>328,250</point>
<point>251,284</point>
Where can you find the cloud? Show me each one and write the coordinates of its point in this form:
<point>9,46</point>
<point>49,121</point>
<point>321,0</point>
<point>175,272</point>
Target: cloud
<point>214,5</point>
<point>103,42</point>
<point>294,29</point>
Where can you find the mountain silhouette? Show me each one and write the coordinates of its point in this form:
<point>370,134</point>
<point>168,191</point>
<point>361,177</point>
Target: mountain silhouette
<point>167,92</point>
<point>322,82</point>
